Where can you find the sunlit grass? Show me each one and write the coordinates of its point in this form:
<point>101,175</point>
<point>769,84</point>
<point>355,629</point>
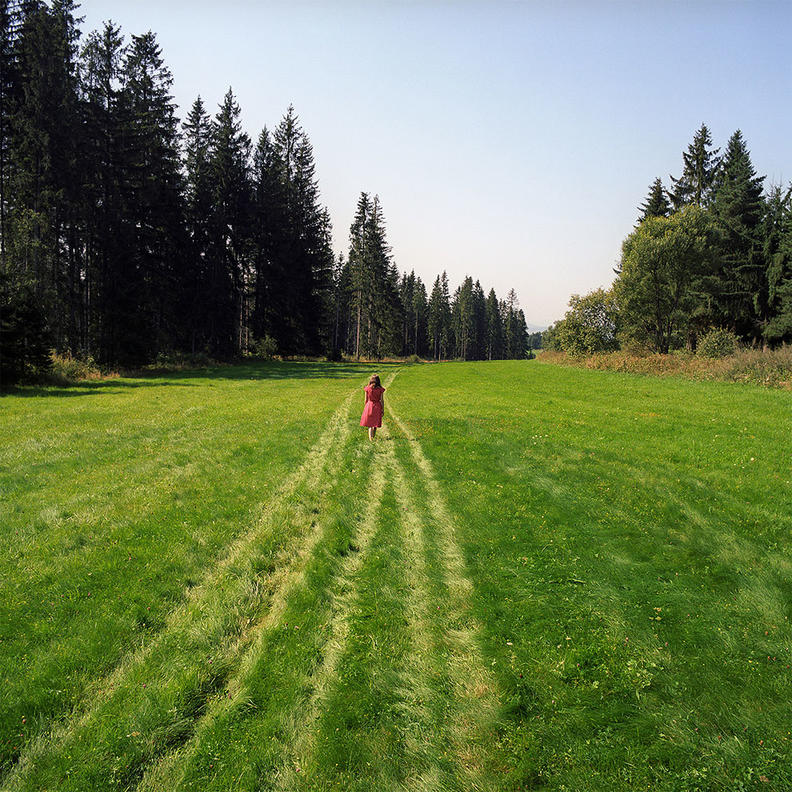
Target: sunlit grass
<point>537,576</point>
<point>628,539</point>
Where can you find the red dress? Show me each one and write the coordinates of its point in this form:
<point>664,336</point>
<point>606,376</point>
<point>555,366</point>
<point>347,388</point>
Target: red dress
<point>372,411</point>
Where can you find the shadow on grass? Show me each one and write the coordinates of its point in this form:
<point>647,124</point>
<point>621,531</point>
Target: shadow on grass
<point>272,370</point>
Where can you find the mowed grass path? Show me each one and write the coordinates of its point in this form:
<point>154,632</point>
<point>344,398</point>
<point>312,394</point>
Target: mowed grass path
<point>536,578</point>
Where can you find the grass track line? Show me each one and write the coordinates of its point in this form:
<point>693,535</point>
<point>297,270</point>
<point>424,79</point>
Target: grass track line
<point>477,699</point>
<point>168,773</point>
<point>344,597</point>
<point>317,463</point>
<point>416,690</point>
<point>171,770</point>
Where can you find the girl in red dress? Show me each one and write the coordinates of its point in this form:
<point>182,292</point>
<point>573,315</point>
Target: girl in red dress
<point>373,406</point>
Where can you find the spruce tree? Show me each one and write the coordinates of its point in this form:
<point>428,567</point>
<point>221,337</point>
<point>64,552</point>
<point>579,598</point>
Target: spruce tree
<point>304,250</point>
<point>9,85</point>
<point>104,181</point>
<point>494,337</point>
<point>464,322</point>
<point>197,180</point>
<point>361,274</point>
<point>229,276</point>
<point>439,318</point>
<point>479,322</point>
<point>406,292</point>
<point>699,172</point>
<point>418,311</point>
<point>656,203</point>
<point>42,177</point>
<point>153,202</point>
<point>739,209</point>
<point>778,257</point>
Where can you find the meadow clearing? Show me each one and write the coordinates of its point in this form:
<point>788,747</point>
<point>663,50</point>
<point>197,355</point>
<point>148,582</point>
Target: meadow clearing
<point>537,577</point>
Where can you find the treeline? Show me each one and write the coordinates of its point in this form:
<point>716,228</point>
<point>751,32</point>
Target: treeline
<point>126,234</point>
<point>711,253</point>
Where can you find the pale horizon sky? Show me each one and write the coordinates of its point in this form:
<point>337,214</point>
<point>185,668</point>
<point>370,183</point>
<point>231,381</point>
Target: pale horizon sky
<point>510,141</point>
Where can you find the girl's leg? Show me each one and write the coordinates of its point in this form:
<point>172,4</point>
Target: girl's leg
<point>371,433</point>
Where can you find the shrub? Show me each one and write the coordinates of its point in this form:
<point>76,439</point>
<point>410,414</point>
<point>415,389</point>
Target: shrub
<point>175,361</point>
<point>590,325</point>
<point>72,369</point>
<point>265,348</point>
<point>717,343</point>
<point>412,360</point>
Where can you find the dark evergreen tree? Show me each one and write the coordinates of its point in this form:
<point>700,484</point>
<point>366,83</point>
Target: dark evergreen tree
<point>699,172</point>
<point>420,314</point>
<point>439,319</point>
<point>361,276</point>
<point>479,322</point>
<point>230,224</point>
<point>406,292</point>
<point>464,320</point>
<point>778,257</point>
<point>303,255</point>
<point>198,195</point>
<point>42,145</point>
<point>514,329</point>
<point>494,337</point>
<point>105,302</point>
<point>10,20</point>
<point>377,310</point>
<point>739,209</point>
<point>153,206</point>
<point>656,203</point>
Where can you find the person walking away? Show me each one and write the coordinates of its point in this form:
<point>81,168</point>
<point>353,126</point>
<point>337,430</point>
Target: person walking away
<point>373,407</point>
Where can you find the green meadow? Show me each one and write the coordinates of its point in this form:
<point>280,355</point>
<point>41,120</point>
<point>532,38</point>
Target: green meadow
<point>536,578</point>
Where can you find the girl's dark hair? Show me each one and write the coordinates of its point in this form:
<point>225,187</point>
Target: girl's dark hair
<point>375,381</point>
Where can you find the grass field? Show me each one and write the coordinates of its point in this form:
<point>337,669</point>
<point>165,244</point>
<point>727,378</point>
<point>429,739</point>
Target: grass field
<point>537,577</point>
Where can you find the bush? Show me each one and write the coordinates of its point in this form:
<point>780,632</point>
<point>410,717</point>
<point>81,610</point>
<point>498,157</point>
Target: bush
<point>590,325</point>
<point>265,348</point>
<point>71,369</point>
<point>412,360</point>
<point>717,343</point>
<point>176,361</point>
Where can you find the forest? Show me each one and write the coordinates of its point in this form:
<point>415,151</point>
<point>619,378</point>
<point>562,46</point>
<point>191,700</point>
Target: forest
<point>710,260</point>
<point>128,235</point>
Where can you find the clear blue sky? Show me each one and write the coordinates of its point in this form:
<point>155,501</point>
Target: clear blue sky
<point>511,141</point>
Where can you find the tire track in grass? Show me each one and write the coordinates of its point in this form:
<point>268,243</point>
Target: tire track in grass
<point>476,698</point>
<point>420,677</point>
<point>169,774</point>
<point>344,597</point>
<point>218,610</point>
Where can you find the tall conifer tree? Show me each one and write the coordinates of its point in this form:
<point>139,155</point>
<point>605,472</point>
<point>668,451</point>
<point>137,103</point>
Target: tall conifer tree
<point>153,201</point>
<point>196,141</point>
<point>106,300</point>
<point>739,210</point>
<point>656,203</point>
<point>699,172</point>
<point>229,166</point>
